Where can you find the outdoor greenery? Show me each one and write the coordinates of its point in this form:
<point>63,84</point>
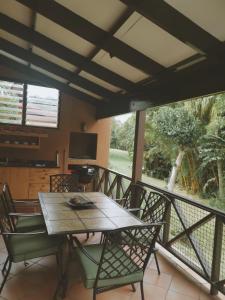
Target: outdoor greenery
<point>184,145</point>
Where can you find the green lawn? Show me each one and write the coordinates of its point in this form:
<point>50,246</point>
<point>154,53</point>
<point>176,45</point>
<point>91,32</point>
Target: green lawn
<point>120,161</point>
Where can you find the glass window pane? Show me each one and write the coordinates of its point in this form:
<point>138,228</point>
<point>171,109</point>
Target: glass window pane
<point>42,106</point>
<point>11,102</point>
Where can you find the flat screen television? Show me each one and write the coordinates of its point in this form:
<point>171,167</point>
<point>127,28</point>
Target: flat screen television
<point>83,145</point>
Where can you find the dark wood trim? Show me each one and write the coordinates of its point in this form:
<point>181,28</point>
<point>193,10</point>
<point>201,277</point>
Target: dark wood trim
<point>46,80</point>
<point>24,105</point>
<point>138,146</point>
<point>106,110</point>
<point>55,69</point>
<point>90,32</point>
<point>117,107</point>
<point>178,25</point>
<point>18,29</point>
<point>204,78</point>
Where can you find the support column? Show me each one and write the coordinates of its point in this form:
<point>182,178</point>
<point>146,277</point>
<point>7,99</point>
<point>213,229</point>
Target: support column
<point>138,146</point>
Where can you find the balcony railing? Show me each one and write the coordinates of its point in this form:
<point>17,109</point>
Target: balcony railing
<point>193,232</point>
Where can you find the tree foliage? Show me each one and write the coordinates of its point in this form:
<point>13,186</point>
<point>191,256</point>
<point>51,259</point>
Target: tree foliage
<point>176,125</point>
<point>196,127</point>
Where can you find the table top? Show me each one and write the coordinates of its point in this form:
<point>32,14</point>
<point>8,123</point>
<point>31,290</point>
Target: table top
<point>60,218</point>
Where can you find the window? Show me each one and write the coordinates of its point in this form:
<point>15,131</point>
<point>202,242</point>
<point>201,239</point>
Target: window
<point>11,102</point>
<point>42,106</point>
<point>39,107</point>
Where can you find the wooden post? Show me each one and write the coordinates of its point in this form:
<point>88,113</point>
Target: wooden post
<point>106,182</point>
<point>217,252</point>
<point>166,226</point>
<point>118,186</point>
<point>138,146</point>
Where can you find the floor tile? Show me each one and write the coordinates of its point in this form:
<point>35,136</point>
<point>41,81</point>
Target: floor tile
<point>38,281</point>
<point>154,292</point>
<point>172,295</point>
<point>185,286</point>
<point>152,277</point>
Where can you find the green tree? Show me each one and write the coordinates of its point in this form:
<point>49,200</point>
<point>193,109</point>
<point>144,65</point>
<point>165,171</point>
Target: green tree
<point>212,144</point>
<point>178,130</point>
<point>116,127</point>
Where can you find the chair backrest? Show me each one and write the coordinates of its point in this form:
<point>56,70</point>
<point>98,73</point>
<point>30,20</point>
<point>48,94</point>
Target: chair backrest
<point>5,222</point>
<point>8,198</point>
<point>133,196</point>
<point>62,183</point>
<point>126,251</point>
<point>154,207</point>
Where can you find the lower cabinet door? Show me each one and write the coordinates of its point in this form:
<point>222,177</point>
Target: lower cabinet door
<point>34,188</point>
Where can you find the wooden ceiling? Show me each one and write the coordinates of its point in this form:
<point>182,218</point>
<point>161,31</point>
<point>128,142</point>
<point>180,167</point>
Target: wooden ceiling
<point>120,56</point>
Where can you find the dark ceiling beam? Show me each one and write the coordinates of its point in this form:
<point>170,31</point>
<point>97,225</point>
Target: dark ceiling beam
<point>90,32</point>
<point>206,77</point>
<point>56,69</point>
<point>118,108</point>
<point>18,29</point>
<point>178,25</point>
<point>199,80</point>
<point>33,22</point>
<point>46,80</point>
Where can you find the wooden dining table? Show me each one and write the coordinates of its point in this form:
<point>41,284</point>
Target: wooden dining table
<point>105,214</point>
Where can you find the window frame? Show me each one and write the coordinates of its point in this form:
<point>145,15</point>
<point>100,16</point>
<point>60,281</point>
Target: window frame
<point>24,110</point>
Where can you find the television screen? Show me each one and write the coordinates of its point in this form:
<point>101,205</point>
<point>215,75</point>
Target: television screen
<point>83,145</point>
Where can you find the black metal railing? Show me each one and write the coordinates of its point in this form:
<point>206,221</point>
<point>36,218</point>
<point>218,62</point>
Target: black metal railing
<point>193,232</point>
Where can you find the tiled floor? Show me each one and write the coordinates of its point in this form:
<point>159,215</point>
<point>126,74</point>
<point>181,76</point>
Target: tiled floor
<point>38,280</point>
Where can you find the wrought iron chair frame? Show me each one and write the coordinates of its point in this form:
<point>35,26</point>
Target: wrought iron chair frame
<point>140,252</point>
<point>147,215</point>
<point>63,183</point>
<point>7,229</point>
<point>131,191</point>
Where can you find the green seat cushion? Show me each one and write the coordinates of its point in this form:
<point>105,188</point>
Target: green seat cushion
<point>24,247</point>
<point>90,269</point>
<point>25,224</point>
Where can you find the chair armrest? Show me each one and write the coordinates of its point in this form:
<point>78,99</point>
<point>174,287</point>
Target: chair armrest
<point>83,250</point>
<point>26,202</point>
<point>25,214</point>
<point>24,233</point>
<point>134,209</point>
<point>120,201</point>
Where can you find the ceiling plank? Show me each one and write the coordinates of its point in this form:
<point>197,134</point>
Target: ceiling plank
<point>178,25</point>
<point>128,12</point>
<point>46,80</point>
<point>18,29</point>
<point>90,32</point>
<point>56,69</point>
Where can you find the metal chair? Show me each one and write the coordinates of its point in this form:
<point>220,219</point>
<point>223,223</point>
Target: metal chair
<point>151,213</point>
<point>133,197</point>
<point>21,221</point>
<point>121,260</point>
<point>22,246</point>
<point>63,183</point>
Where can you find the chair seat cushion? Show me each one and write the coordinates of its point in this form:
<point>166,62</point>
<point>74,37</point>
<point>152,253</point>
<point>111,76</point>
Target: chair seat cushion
<point>25,224</point>
<point>90,269</point>
<point>24,247</point>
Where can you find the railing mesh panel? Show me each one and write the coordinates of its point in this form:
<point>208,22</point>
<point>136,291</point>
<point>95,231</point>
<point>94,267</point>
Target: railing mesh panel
<point>222,264</point>
<point>191,231</point>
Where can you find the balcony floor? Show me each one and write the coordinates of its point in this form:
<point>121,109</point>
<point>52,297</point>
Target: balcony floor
<point>37,281</point>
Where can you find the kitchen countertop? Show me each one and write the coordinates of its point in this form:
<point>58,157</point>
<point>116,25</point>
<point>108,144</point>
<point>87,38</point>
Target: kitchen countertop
<point>28,164</point>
